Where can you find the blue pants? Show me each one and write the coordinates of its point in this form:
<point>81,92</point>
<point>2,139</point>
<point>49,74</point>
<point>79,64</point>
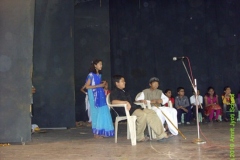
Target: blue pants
<point>188,115</point>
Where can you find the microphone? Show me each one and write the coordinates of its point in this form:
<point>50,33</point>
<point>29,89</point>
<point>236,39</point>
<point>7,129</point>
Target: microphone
<point>178,58</point>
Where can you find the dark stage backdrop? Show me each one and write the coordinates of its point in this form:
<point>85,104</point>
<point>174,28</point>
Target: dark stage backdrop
<point>92,41</point>
<point>147,34</point>
<point>53,59</point>
<point>16,49</point>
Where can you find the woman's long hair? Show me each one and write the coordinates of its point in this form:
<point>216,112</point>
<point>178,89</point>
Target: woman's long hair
<point>92,67</point>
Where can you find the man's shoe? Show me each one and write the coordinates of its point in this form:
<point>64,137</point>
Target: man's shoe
<point>144,139</point>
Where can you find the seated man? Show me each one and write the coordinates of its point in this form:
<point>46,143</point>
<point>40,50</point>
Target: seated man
<point>157,98</point>
<point>144,116</point>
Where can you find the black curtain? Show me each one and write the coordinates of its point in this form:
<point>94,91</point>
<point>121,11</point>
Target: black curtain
<point>53,61</point>
<point>147,34</point>
<point>91,41</point>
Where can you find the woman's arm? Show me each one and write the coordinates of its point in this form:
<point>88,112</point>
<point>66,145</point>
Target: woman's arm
<point>82,89</point>
<point>206,101</point>
<point>88,85</point>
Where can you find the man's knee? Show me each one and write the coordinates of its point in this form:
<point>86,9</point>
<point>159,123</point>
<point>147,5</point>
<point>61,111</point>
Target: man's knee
<point>139,113</point>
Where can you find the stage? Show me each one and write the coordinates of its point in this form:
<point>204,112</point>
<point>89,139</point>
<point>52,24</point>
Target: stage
<point>79,144</point>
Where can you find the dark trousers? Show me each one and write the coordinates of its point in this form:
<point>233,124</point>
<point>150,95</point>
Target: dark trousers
<point>188,114</point>
<point>226,108</point>
<point>200,110</point>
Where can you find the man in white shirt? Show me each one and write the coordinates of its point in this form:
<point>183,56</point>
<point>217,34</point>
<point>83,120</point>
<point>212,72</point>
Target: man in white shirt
<point>157,98</point>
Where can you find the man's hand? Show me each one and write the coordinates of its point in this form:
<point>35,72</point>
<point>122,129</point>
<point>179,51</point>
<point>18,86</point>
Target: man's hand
<point>153,101</point>
<point>184,109</point>
<point>143,101</point>
<point>159,101</point>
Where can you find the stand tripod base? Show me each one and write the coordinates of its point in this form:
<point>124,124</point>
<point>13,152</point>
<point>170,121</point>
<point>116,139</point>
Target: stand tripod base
<point>198,141</point>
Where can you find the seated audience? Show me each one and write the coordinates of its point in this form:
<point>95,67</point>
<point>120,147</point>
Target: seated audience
<point>197,102</point>
<point>168,93</point>
<point>228,100</point>
<point>211,104</point>
<point>182,105</point>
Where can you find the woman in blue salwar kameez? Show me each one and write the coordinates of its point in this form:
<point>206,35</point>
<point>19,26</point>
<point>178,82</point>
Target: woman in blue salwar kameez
<point>102,125</point>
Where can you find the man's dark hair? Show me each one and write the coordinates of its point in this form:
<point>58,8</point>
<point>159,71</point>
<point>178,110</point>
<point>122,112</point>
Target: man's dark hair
<point>116,78</point>
<point>179,88</point>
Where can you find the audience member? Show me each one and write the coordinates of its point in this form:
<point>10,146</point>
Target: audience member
<point>228,100</point>
<point>197,102</point>
<point>168,93</point>
<point>211,104</point>
<point>182,105</point>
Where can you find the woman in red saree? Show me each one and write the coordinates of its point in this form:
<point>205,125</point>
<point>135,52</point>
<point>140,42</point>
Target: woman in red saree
<point>211,104</point>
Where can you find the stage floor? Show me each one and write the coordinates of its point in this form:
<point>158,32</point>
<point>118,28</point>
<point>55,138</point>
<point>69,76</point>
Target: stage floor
<point>79,144</point>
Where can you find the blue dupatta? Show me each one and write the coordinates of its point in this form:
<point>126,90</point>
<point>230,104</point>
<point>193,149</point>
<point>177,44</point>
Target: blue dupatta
<point>98,93</point>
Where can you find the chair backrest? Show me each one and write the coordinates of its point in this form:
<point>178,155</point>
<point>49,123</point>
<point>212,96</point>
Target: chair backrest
<point>110,105</point>
<point>140,96</point>
<point>108,99</point>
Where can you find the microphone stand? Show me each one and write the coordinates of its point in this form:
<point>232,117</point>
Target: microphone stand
<point>198,140</point>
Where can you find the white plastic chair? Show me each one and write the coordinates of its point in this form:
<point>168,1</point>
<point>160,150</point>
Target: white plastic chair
<point>131,122</point>
<point>140,96</point>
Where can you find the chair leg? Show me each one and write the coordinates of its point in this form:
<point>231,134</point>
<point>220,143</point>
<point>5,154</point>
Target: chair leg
<point>116,129</point>
<point>132,128</point>
<point>183,117</point>
<point>128,131</point>
<point>200,117</point>
<point>150,132</point>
